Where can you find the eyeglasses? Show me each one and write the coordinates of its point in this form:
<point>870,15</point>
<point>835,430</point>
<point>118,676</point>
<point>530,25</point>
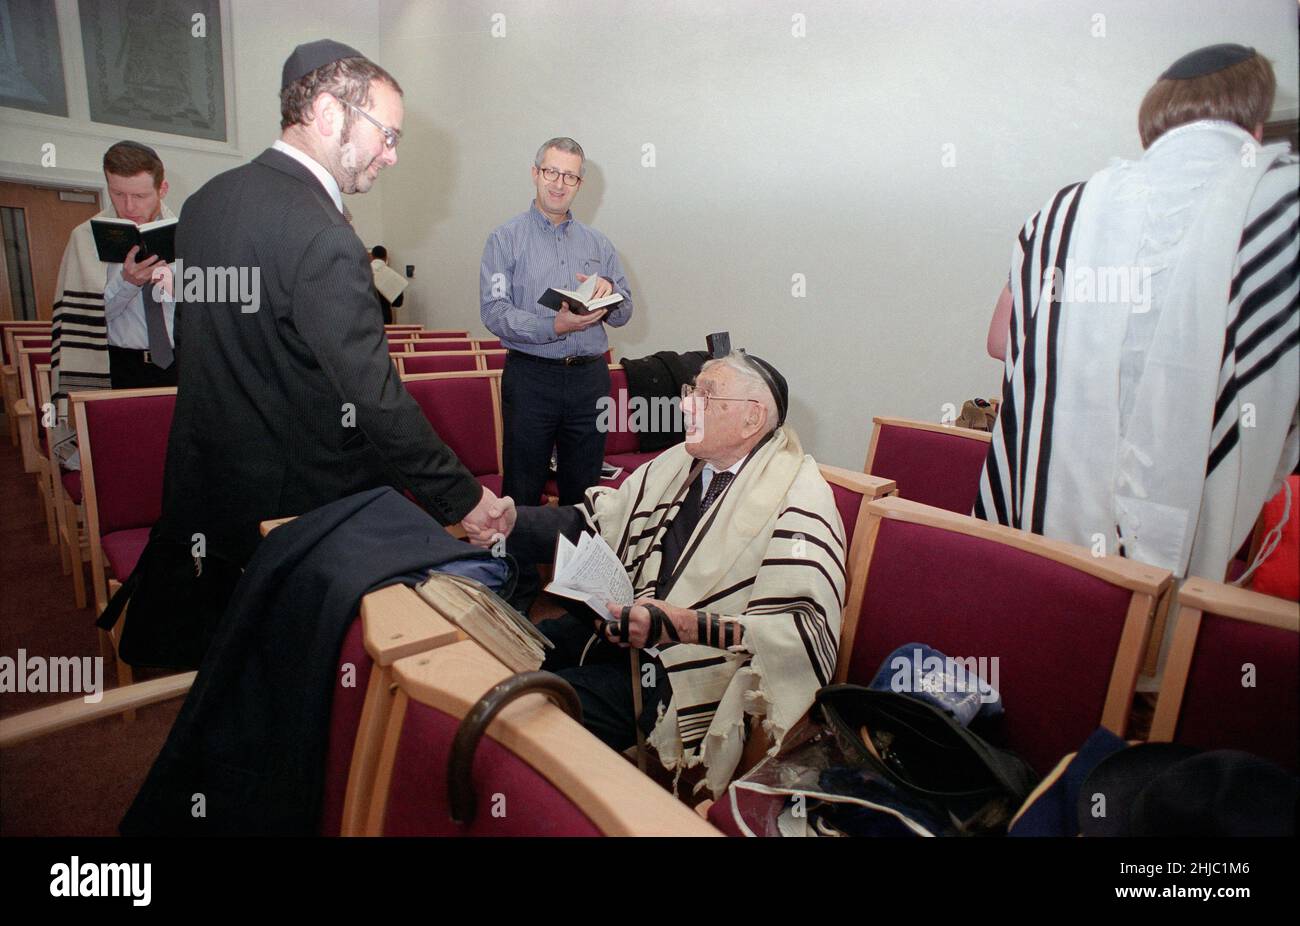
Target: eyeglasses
<point>689,392</point>
<point>551,175</point>
<point>391,136</point>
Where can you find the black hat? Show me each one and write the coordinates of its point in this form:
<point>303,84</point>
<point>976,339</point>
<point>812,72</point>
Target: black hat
<point>312,55</point>
<point>1206,61</point>
<point>1166,789</point>
<point>776,384</point>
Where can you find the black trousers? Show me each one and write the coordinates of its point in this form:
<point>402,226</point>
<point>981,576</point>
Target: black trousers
<point>545,405</point>
<point>604,681</point>
<point>127,369</point>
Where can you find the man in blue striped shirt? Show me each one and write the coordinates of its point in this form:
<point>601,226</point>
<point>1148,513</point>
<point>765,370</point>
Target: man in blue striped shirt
<point>555,373</point>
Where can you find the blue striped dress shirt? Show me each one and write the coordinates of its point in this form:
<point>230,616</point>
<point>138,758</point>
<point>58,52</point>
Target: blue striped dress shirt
<point>528,255</point>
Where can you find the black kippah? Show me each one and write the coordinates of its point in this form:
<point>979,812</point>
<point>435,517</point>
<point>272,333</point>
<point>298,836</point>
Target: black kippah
<point>776,384</point>
<point>312,55</point>
<point>1207,60</point>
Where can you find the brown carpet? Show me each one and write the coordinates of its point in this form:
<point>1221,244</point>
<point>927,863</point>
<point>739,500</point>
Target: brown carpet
<point>78,782</point>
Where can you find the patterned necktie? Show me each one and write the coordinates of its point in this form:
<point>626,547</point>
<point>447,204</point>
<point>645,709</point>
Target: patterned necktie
<point>160,346</point>
<point>717,485</point>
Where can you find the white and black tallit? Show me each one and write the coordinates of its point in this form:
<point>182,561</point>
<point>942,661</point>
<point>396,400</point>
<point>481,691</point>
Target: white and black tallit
<point>770,551</point>
<point>1149,401</point>
<point>79,330</point>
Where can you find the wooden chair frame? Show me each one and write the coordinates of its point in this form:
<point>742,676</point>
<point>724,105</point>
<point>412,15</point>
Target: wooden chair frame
<point>950,429</point>
<point>480,360</point>
<point>1145,583</point>
<point>617,798</point>
<point>1196,597</point>
<point>9,334</point>
<point>27,411</point>
<point>69,517</point>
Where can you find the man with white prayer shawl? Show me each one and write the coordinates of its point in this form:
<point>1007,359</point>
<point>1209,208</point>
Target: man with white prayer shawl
<point>1150,331</point>
<point>736,555</point>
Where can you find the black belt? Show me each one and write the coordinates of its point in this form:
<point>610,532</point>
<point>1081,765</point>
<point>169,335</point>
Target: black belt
<point>142,354</point>
<point>557,361</point>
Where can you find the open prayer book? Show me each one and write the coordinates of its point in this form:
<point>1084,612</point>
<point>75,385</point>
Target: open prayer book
<point>388,281</point>
<point>114,239</point>
<point>580,300</point>
<point>590,572</point>
<point>493,624</point>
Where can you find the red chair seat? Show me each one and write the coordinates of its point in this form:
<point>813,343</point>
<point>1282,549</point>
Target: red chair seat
<point>491,481</point>
<point>122,549</point>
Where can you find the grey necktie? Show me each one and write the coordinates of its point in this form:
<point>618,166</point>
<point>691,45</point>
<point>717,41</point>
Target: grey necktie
<point>717,485</point>
<point>160,346</point>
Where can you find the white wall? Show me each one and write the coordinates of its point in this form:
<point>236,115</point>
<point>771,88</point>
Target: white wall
<point>262,34</point>
<point>779,155</point>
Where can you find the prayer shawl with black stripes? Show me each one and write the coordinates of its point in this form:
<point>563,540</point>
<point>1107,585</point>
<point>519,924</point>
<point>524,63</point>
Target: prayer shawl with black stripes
<point>770,551</point>
<point>1149,403</point>
<point>79,344</point>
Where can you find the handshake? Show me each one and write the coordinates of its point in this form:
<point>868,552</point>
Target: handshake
<point>491,519</point>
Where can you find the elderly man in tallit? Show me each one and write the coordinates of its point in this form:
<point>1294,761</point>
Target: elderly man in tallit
<point>736,554</point>
<point>1150,331</point>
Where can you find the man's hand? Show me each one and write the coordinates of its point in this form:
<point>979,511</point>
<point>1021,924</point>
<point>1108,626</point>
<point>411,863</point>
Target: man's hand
<point>683,622</point>
<point>603,286</point>
<point>491,518</point>
<point>138,274</point>
<point>566,321</point>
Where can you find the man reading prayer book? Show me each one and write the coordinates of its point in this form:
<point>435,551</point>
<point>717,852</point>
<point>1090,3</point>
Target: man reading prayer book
<point>735,553</point>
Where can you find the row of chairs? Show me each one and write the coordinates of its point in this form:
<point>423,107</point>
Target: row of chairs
<point>1066,627</point>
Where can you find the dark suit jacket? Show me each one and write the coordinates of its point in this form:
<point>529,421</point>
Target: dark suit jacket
<point>295,405</point>
<point>254,730</point>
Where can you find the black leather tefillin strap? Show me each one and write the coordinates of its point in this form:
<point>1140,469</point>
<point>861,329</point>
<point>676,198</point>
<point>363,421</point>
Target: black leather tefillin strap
<point>712,630</point>
<point>660,624</point>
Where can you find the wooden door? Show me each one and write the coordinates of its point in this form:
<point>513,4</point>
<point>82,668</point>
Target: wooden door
<point>48,221</point>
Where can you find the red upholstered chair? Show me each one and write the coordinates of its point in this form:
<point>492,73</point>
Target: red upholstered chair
<point>441,334</point>
<point>494,359</point>
<point>122,435</point>
<point>464,408</point>
<point>1232,677</point>
<point>427,344</point>
<point>555,778</point>
<point>487,344</point>
<point>934,464</point>
<point>1066,627</point>
<point>394,623</point>
<point>448,361</point>
<point>852,491</point>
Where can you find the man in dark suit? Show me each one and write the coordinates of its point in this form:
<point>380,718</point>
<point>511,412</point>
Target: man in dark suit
<point>288,400</point>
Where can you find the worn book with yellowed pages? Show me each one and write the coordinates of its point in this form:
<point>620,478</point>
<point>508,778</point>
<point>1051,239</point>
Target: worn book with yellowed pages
<point>487,619</point>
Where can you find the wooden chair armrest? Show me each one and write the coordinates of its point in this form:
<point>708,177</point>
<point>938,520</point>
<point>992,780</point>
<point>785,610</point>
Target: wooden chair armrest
<point>863,483</point>
<point>47,720</point>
